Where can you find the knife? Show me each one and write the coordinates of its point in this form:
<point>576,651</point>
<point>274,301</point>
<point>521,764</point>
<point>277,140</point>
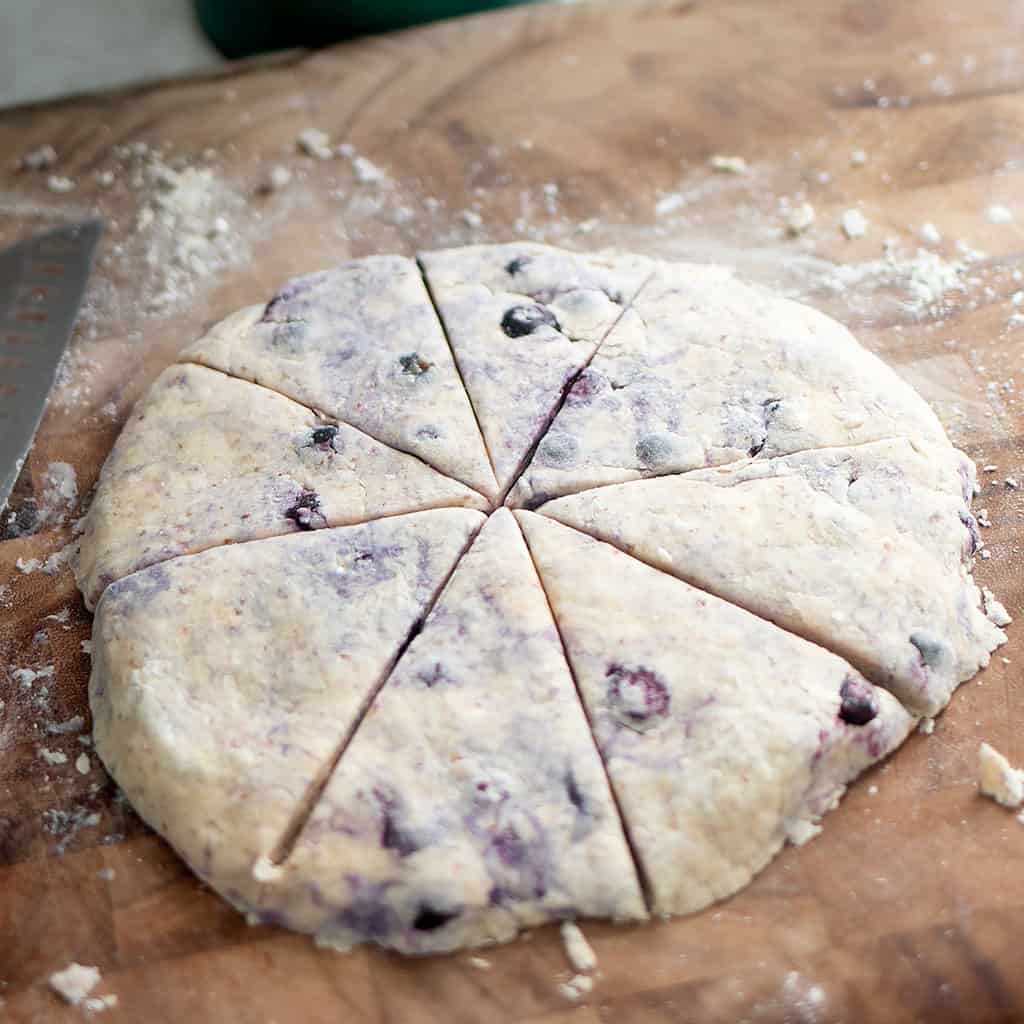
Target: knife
<point>42,281</point>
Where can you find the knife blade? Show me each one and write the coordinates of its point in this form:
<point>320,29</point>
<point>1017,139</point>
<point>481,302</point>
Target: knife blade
<point>42,282</point>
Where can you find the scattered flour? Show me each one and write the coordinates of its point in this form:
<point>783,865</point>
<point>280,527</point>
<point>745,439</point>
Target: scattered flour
<point>39,159</point>
<point>999,214</point>
<point>577,949</point>
<point>998,779</point>
<point>995,611</point>
<point>727,164</point>
<point>853,224</point>
<point>315,143</point>
<point>75,982</point>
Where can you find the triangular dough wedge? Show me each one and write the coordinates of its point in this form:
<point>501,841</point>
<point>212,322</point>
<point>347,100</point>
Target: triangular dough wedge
<point>472,801</point>
<point>206,459</point>
<point>723,735</point>
<point>858,567</point>
<point>224,682</point>
<point>363,344</point>
<point>522,320</point>
<point>721,371</point>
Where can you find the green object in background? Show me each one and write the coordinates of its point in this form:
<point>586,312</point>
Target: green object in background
<point>256,26</point>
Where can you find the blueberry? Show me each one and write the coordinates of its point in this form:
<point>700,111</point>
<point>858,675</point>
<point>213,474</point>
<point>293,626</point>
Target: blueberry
<point>429,919</point>
<point>557,450</point>
<point>305,511</point>
<point>974,535</point>
<point>522,320</point>
<point>638,696</point>
<point>414,364</point>
<point>324,435</point>
<point>510,846</point>
<point>769,408</point>
<point>858,702</point>
<point>655,450</point>
<point>368,917</point>
<point>932,649</point>
<point>394,837</point>
<point>514,266</point>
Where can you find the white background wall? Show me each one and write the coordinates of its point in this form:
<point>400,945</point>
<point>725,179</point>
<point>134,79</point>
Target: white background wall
<point>55,47</point>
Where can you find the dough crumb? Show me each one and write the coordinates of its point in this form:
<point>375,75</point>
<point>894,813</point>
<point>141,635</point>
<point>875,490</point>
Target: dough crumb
<point>75,982</point>
<point>471,218</point>
<point>480,963</point>
<point>995,611</point>
<point>59,184</point>
<point>53,757</point>
<point>99,1004</point>
<point>727,164</point>
<point>577,949</point>
<point>854,224</point>
<point>998,779</point>
<point>1012,483</point>
<point>82,764</point>
<point>265,870</point>
<point>858,158</point>
<point>929,233</point>
<point>39,159</point>
<point>314,143</point>
<point>800,218</point>
<point>278,177</point>
<point>926,726</point>
<point>105,874</point>
<point>800,832</point>
<point>999,214</point>
<point>578,985</point>
<point>982,517</point>
<point>990,468</point>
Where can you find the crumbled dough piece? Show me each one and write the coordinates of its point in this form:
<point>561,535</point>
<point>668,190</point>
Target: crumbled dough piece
<point>858,158</point>
<point>989,468</point>
<point>982,518</point>
<point>53,757</point>
<point>800,218</point>
<point>471,218</point>
<point>577,949</point>
<point>998,779</point>
<point>99,1004</point>
<point>313,142</point>
<point>801,832</point>
<point>929,233</point>
<point>59,184</point>
<point>480,963</point>
<point>82,764</point>
<point>727,164</point>
<point>995,611</point>
<point>277,178</point>
<point>854,224</point>
<point>926,726</point>
<point>1012,482</point>
<point>578,985</point>
<point>75,982</point>
<point>39,159</point>
<point>997,214</point>
<point>105,179</point>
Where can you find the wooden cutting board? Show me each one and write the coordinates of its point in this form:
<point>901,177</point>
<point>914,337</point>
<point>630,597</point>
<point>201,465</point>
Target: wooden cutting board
<point>587,126</point>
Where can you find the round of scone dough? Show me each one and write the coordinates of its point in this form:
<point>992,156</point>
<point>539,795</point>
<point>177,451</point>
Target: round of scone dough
<point>439,600</point>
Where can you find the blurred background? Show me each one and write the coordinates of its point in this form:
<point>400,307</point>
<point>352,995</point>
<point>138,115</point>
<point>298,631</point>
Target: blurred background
<point>67,46</point>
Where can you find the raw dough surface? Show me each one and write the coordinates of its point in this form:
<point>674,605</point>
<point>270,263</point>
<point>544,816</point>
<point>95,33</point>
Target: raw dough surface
<point>875,568</point>
<point>472,801</point>
<point>719,371</point>
<point>362,344</point>
<point>349,700</point>
<point>721,740</point>
<point>223,682</point>
<point>206,459</point>
<point>522,320</point>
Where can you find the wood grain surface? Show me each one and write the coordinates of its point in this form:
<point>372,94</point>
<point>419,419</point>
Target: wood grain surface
<point>910,906</point>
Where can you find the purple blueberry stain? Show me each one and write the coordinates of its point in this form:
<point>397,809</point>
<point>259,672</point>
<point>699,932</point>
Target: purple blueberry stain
<point>638,697</point>
<point>974,541</point>
<point>519,321</point>
<point>588,385</point>
<point>655,451</point>
<point>305,511</point>
<point>393,836</point>
<point>933,650</point>
<point>428,433</point>
<point>576,796</point>
<point>858,703</point>
<point>414,365</point>
<point>430,677</point>
<point>558,451</point>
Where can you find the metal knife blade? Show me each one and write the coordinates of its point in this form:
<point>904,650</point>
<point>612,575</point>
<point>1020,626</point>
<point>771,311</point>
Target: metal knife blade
<point>42,281</point>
